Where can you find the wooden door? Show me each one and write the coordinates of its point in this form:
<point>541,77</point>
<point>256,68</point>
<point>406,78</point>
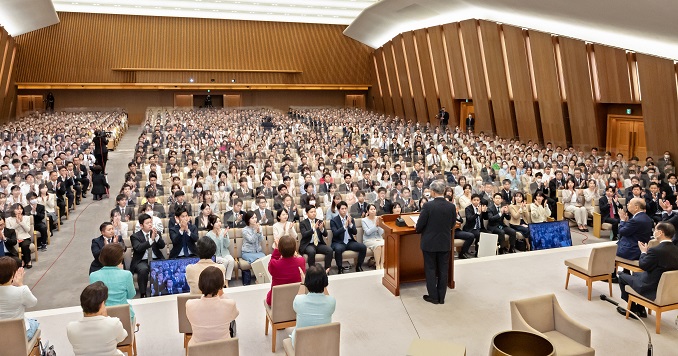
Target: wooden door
<point>466,108</point>
<point>232,100</point>
<point>639,145</point>
<point>183,100</point>
<point>626,135</point>
<point>355,101</point>
<point>28,103</point>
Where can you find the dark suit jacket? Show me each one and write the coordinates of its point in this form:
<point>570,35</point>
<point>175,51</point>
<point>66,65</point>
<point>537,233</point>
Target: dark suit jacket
<point>471,216</point>
<point>436,221</point>
<point>293,214</point>
<point>343,188</point>
<point>173,208</point>
<point>140,246</point>
<point>657,260</point>
<point>129,211</point>
<point>673,220</point>
<point>158,210</point>
<point>365,185</point>
<point>356,212</point>
<point>268,195</point>
<point>494,217</point>
<point>177,237</point>
<point>39,217</point>
<point>338,230</point>
<point>97,245</point>
<point>10,242</point>
<point>638,228</point>
<point>553,187</point>
<point>604,207</point>
<point>324,188</point>
<point>506,196</point>
<point>229,216</point>
<point>417,193</point>
<point>245,196</point>
<point>386,209</point>
<point>99,184</point>
<point>159,189</point>
<point>306,231</point>
<point>269,216</point>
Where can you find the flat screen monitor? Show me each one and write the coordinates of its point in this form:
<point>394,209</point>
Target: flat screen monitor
<point>169,276</point>
<point>550,235</point>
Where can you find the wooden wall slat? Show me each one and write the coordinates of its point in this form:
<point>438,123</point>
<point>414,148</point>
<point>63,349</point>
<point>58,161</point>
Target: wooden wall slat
<point>415,78</point>
<point>521,84</point>
<point>8,80</point>
<point>383,80</point>
<point>394,80</point>
<point>548,90</point>
<point>408,100</point>
<point>435,35</point>
<point>584,126</point>
<point>660,103</point>
<point>84,48</point>
<point>496,77</point>
<point>612,74</point>
<point>474,61</point>
<point>427,73</point>
<point>454,54</point>
<point>374,93</point>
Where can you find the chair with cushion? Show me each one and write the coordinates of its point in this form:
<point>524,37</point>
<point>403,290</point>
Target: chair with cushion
<point>632,265</point>
<point>543,315</point>
<point>315,340</point>
<point>280,313</point>
<point>184,324</point>
<point>666,300</point>
<point>14,336</point>
<point>596,267</point>
<point>122,312</point>
<point>226,347</point>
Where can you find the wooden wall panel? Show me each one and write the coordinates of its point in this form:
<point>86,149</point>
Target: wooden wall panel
<point>84,48</point>
<point>403,77</point>
<point>456,61</point>
<point>476,73</point>
<point>394,79</point>
<point>660,103</point>
<point>441,73</point>
<point>585,129</point>
<point>375,90</point>
<point>8,71</point>
<point>521,84</point>
<point>612,74</point>
<point>548,90</point>
<point>384,83</point>
<point>415,77</point>
<point>426,68</point>
<point>496,77</point>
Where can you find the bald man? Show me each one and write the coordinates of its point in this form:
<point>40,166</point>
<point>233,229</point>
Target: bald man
<point>635,226</point>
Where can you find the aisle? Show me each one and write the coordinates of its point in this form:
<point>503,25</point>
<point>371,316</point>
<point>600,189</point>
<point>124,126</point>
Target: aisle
<point>62,271</point>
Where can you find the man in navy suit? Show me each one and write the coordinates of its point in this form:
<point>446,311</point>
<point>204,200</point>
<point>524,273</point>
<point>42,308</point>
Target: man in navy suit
<point>654,262</point>
<point>184,235</point>
<point>107,236</point>
<point>632,230</point>
<point>435,224</point>
<point>343,237</point>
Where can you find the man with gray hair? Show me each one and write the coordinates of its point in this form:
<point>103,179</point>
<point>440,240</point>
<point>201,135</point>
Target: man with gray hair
<point>436,220</point>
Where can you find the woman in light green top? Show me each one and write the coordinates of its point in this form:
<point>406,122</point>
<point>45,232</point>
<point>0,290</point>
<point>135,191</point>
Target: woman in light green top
<point>220,237</point>
<point>119,281</point>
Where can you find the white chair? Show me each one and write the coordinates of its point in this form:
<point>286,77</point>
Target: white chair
<point>487,246</point>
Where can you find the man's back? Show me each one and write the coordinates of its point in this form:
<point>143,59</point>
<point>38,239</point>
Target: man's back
<point>436,220</point>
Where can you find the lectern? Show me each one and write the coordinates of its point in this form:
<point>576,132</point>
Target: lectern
<point>403,259</point>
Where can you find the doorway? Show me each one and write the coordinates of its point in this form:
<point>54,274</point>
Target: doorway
<point>232,100</point>
<point>28,103</point>
<point>183,101</point>
<point>626,135</point>
<point>355,101</point>
<point>466,109</point>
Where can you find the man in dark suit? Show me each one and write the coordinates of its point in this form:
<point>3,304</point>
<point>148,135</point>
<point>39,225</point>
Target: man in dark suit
<point>179,201</point>
<point>81,174</point>
<point>343,238</point>
<point>107,236</point>
<point>265,188</point>
<point>244,192</point>
<point>234,218</point>
<point>158,209</point>
<point>126,212</point>
<point>671,188</point>
<point>153,185</point>
<point>366,183</point>
<point>654,262</point>
<point>312,238</point>
<point>418,190</point>
<point>264,215</point>
<point>346,186</point>
<point>38,212</point>
<point>609,210</point>
<point>444,117</point>
<point>506,194</point>
<point>496,213</point>
<point>634,229</point>
<point>359,209</point>
<point>435,224</point>
<point>383,205</point>
<point>555,184</point>
<point>184,235</point>
<point>8,241</point>
<point>470,122</point>
<point>474,218</point>
<point>67,185</point>
<point>652,202</point>
<point>147,244</point>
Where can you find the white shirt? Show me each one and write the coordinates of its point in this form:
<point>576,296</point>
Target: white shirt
<point>14,301</point>
<point>96,336</point>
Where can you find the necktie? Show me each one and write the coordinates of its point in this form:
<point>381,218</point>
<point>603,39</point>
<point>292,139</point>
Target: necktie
<point>149,252</point>
<point>315,234</point>
<point>343,221</point>
<point>184,244</point>
<point>477,227</point>
<point>2,248</point>
<point>110,240</point>
<point>673,187</point>
<point>612,210</point>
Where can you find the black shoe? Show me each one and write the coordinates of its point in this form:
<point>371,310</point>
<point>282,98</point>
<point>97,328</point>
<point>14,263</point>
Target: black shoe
<point>28,266</point>
<point>340,270</point>
<point>143,296</point>
<point>640,311</point>
<point>467,256</point>
<point>615,279</point>
<point>358,269</point>
<point>622,311</point>
<point>430,300</point>
<point>43,248</point>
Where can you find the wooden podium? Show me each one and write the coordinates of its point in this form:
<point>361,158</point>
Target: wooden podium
<point>403,259</point>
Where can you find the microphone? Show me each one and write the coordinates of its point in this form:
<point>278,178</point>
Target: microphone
<point>649,338</point>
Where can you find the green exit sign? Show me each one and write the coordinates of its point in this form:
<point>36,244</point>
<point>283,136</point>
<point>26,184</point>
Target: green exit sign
<point>628,111</point>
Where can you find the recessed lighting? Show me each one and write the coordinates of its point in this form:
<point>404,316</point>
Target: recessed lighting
<point>177,8</point>
<point>215,10</point>
<point>74,3</point>
<point>116,5</point>
<point>251,12</point>
<point>191,80</point>
<point>96,4</point>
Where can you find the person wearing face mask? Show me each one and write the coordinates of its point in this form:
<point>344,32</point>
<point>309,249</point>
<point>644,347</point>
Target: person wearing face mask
<point>37,210</point>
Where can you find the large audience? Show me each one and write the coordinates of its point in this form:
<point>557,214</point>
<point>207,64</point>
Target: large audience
<point>236,187</point>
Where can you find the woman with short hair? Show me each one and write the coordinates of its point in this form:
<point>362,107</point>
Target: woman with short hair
<point>212,314</point>
<point>285,264</point>
<point>316,307</point>
<point>219,235</point>
<point>15,297</point>
<point>96,333</point>
<point>205,248</point>
<point>119,281</point>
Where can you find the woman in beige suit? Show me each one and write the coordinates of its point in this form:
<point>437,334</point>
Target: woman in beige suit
<point>211,315</point>
<point>574,203</point>
<point>520,215</point>
<point>591,196</point>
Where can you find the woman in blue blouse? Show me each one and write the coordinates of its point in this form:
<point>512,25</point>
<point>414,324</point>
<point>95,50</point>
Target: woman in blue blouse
<point>252,237</point>
<point>119,281</point>
<point>220,237</point>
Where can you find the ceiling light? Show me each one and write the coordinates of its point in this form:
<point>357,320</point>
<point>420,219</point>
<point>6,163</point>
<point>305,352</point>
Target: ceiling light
<point>191,80</point>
